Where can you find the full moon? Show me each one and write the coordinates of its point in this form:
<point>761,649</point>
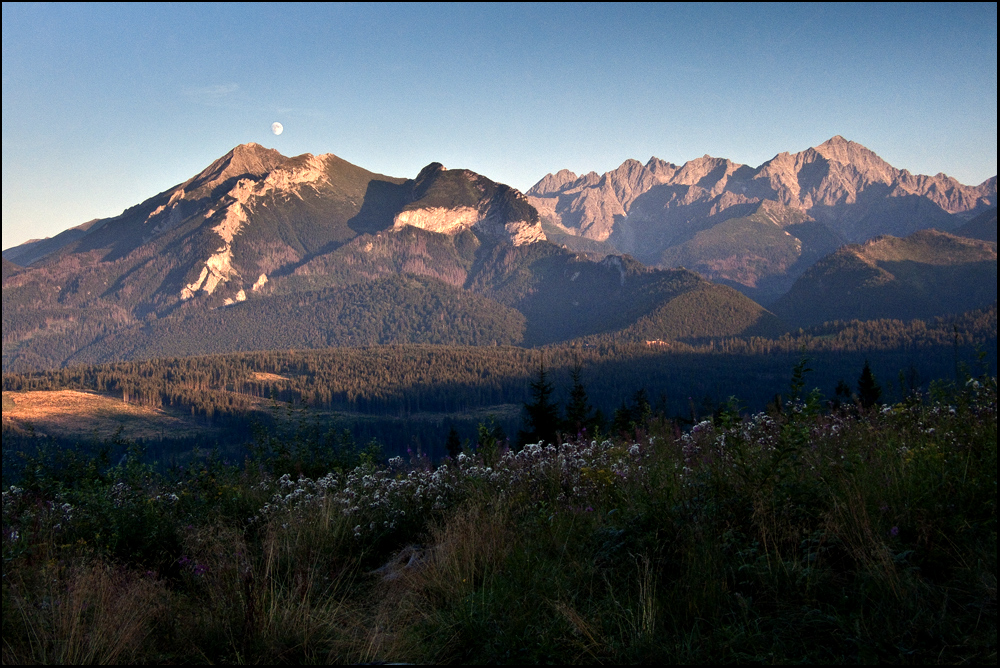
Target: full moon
<point>277,128</point>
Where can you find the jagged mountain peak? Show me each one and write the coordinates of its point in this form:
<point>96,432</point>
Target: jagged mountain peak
<point>837,192</point>
<point>429,171</point>
<point>839,140</point>
<point>254,151</point>
<point>662,167</point>
<point>245,160</point>
<point>838,149</point>
<point>630,165</point>
<point>705,172</point>
<point>553,183</point>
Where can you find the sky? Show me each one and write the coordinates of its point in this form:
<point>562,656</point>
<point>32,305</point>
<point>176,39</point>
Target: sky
<point>107,105</point>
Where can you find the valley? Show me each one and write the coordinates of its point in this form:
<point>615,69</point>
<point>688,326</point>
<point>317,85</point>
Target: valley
<point>407,397</point>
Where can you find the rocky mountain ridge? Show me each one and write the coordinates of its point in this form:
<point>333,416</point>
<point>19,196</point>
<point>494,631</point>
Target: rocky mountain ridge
<point>254,211</point>
<point>314,251</point>
<point>471,201</point>
<point>647,209</point>
<point>260,251</point>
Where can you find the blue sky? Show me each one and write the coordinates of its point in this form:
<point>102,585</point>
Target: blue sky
<point>106,105</point>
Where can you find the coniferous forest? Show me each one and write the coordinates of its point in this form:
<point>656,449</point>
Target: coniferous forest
<point>407,397</point>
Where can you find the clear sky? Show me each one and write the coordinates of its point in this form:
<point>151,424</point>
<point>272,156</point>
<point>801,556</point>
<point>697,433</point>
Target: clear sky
<point>106,105</point>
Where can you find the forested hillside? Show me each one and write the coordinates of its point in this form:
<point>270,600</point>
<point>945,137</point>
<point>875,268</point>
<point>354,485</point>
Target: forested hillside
<point>925,274</point>
<point>350,386</point>
<point>402,286</point>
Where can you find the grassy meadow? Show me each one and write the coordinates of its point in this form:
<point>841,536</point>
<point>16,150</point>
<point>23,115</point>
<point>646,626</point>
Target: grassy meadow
<point>808,533</point>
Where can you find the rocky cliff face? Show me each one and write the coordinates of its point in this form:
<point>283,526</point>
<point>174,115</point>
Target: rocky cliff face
<point>453,221</point>
<point>451,201</point>
<point>846,186</point>
<point>277,176</point>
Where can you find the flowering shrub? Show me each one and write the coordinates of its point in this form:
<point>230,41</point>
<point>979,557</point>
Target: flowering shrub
<point>378,500</point>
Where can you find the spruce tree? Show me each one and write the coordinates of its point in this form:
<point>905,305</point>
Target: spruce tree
<point>869,391</point>
<point>579,412</point>
<point>541,414</point>
<point>454,443</point>
<point>841,395</point>
<point>631,417</point>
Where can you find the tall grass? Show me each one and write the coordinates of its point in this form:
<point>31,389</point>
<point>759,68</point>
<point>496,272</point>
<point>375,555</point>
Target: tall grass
<point>802,535</point>
<point>84,614</point>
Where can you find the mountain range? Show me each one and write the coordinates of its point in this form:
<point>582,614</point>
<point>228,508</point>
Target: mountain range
<point>709,214</point>
<point>263,251</point>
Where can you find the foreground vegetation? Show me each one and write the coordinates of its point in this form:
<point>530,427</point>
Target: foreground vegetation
<point>806,534</point>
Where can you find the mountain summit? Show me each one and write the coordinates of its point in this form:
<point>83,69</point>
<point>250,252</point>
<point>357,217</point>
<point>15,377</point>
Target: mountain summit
<point>254,211</point>
<point>449,201</point>
<point>840,190</point>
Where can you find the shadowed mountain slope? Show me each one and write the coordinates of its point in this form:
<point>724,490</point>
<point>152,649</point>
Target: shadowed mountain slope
<point>983,226</point>
<point>926,274</point>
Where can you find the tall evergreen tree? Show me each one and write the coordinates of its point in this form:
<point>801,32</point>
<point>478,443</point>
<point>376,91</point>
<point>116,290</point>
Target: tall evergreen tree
<point>842,395</point>
<point>542,415</point>
<point>869,391</point>
<point>579,412</point>
<point>633,416</point>
<point>454,443</point>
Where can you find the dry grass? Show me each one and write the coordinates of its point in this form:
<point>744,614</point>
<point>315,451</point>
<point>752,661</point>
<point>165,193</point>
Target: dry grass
<point>75,413</point>
<point>268,377</point>
<point>89,415</point>
<point>90,614</point>
<point>462,558</point>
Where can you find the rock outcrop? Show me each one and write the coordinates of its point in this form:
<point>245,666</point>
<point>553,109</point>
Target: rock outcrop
<point>451,201</point>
